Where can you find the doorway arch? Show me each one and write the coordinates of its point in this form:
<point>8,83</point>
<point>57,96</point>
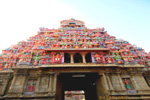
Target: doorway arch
<point>67,58</point>
<point>79,82</point>
<point>77,58</point>
<point>88,58</point>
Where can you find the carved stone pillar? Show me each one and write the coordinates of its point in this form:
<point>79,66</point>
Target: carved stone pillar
<point>83,57</point>
<point>71,57</point>
<point>54,82</point>
<point>4,79</point>
<point>132,78</point>
<point>144,82</point>
<point>23,81</point>
<point>105,79</point>
<point>18,82</point>
<point>12,84</point>
<point>109,82</point>
<point>50,83</point>
<point>37,85</point>
<point>120,81</point>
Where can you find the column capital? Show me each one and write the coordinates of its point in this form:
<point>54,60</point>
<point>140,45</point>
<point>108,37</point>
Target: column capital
<point>83,56</point>
<point>83,53</point>
<point>71,53</point>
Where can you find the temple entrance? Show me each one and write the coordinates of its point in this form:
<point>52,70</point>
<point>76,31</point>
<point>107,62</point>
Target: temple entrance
<point>88,58</point>
<point>77,58</point>
<point>80,86</point>
<point>66,58</point>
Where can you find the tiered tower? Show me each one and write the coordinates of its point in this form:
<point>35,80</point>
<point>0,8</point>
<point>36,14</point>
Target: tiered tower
<point>74,62</point>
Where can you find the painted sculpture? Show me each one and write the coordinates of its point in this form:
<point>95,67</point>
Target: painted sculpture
<point>58,58</point>
<point>127,84</point>
<point>1,65</point>
<point>31,86</point>
<point>72,34</point>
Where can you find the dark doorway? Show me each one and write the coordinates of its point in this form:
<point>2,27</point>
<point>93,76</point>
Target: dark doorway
<point>67,58</point>
<point>88,58</point>
<point>79,82</point>
<point>77,58</point>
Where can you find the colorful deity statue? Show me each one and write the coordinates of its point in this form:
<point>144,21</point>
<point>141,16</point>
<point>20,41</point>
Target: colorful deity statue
<point>6,65</point>
<point>108,59</point>
<point>89,44</point>
<point>1,65</point>
<point>21,60</point>
<point>84,46</point>
<point>118,59</point>
<point>125,53</point>
<point>13,64</point>
<point>31,87</point>
<point>24,61</point>
<point>42,61</point>
<point>127,84</point>
<point>44,54</point>
<point>45,59</point>
<point>130,59</point>
<point>58,58</point>
<point>36,58</point>
<point>10,64</point>
<point>35,63</point>
<point>98,58</point>
<point>125,59</point>
<point>76,46</point>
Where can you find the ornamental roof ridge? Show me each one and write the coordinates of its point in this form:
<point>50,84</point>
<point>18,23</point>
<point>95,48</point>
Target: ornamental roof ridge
<point>71,20</point>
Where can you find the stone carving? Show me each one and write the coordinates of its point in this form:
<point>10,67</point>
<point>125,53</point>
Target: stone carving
<point>31,86</point>
<point>127,84</point>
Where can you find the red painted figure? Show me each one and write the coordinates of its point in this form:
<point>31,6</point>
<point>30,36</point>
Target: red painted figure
<point>31,87</point>
<point>1,66</point>
<point>58,58</point>
<point>97,57</point>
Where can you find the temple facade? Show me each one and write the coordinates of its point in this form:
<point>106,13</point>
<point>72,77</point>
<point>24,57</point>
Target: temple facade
<point>74,62</point>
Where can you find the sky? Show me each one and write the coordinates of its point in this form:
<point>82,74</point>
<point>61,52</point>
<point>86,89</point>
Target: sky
<point>126,19</point>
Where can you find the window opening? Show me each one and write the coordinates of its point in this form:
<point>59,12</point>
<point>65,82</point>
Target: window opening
<point>67,58</point>
<point>77,58</point>
<point>88,58</point>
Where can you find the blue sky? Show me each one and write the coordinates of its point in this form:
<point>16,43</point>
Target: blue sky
<point>125,19</point>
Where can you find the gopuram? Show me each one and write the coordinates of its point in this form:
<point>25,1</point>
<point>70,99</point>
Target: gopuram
<point>74,63</point>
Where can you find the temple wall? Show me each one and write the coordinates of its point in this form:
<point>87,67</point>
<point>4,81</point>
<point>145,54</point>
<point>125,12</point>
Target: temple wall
<point>140,84</point>
<point>5,77</point>
<point>13,84</point>
<point>102,86</point>
<point>17,84</point>
<point>115,81</point>
<point>147,79</point>
<point>45,85</point>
